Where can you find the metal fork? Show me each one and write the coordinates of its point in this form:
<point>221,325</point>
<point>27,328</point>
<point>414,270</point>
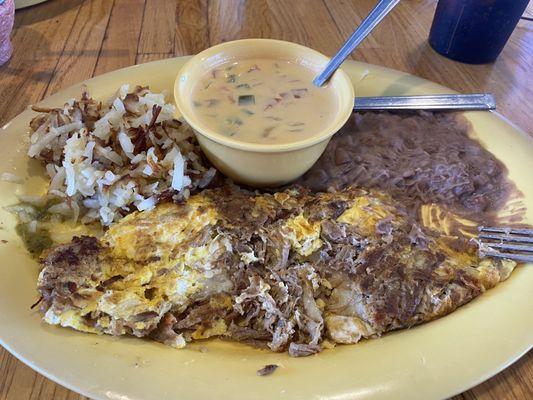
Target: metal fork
<point>515,244</point>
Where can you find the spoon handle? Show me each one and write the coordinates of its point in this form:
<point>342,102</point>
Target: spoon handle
<point>374,18</point>
<point>482,101</point>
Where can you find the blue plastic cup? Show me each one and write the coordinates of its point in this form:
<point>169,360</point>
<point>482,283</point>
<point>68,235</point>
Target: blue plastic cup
<point>474,31</point>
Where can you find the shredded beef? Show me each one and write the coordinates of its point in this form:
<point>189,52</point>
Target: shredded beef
<point>165,331</point>
<point>276,297</point>
<point>303,350</point>
<point>68,268</point>
<point>267,370</point>
<point>332,231</point>
<point>200,313</point>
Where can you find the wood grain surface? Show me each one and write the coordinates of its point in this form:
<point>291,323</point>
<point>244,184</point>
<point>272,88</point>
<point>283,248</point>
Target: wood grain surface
<point>62,42</point>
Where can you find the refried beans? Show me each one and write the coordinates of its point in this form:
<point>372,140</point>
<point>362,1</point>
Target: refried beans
<point>418,158</point>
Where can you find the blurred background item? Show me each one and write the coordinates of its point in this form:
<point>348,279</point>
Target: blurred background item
<point>474,31</point>
<point>27,3</point>
<point>7,16</point>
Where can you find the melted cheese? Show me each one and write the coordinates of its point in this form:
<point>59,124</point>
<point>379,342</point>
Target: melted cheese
<point>303,235</point>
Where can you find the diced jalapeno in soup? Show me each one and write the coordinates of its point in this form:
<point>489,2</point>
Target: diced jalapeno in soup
<point>263,101</point>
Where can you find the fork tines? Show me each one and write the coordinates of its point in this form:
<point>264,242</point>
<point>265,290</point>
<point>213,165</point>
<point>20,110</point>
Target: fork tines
<point>515,244</point>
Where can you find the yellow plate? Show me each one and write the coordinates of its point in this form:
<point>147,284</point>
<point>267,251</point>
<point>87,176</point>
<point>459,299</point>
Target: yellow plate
<point>434,360</point>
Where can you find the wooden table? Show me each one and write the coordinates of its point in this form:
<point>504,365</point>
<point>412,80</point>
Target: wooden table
<point>62,42</point>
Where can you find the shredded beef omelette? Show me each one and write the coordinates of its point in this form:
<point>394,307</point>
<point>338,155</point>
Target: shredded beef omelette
<point>290,271</point>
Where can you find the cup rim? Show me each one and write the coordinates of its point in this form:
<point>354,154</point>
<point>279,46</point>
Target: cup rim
<point>318,137</point>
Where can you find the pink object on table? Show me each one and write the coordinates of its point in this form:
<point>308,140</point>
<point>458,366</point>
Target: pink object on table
<point>7,16</point>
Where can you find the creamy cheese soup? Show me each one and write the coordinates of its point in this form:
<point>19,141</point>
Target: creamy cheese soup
<point>263,101</point>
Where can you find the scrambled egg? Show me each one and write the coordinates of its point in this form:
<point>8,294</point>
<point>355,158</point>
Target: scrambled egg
<point>303,235</point>
<point>153,263</point>
<point>365,213</point>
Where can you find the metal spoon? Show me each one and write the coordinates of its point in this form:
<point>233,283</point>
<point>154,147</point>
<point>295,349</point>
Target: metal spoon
<point>367,25</point>
<point>441,102</point>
